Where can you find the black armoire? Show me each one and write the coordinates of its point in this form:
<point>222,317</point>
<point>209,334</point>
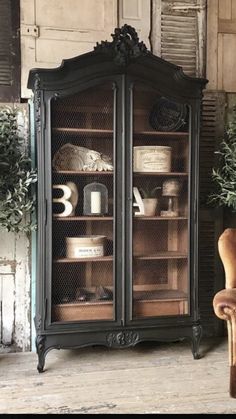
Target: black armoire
<point>117,134</point>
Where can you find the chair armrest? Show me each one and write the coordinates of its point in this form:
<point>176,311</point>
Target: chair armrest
<point>224,303</point>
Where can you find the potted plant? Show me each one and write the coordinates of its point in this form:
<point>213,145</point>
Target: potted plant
<point>224,176</point>
<point>16,175</point>
<point>150,199</point>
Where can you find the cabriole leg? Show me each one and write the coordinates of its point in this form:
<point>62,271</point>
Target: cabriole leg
<point>40,346</point>
<point>196,338</point>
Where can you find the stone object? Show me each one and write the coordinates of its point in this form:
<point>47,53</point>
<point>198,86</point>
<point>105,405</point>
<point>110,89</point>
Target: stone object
<point>76,158</point>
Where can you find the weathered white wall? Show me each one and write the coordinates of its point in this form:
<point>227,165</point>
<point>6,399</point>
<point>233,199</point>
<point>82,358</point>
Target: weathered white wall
<point>15,304</point>
<point>53,30</point>
<point>14,292</point>
<point>72,27</point>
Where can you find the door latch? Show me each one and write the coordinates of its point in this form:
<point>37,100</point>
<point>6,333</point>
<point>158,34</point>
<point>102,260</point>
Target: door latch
<point>30,30</point>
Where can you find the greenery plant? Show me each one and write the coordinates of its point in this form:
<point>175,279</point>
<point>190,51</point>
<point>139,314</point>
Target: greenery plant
<point>16,176</point>
<point>224,176</point>
<point>148,191</point>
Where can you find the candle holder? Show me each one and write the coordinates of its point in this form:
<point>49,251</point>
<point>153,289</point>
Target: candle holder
<point>171,189</point>
<point>95,199</point>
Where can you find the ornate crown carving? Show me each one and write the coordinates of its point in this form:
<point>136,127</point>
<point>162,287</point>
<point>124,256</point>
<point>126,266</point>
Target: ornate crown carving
<point>124,47</point>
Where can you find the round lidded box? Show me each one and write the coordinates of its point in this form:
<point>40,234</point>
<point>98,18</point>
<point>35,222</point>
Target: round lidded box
<point>168,115</point>
<point>85,246</point>
<point>152,158</point>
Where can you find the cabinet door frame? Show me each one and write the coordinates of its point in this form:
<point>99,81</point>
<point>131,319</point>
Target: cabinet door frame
<point>193,200</point>
<point>44,280</point>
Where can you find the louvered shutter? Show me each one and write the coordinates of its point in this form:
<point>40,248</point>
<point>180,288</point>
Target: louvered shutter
<point>178,33</point>
<point>9,51</point>
<point>211,277</point>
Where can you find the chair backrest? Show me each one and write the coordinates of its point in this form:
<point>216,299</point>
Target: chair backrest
<point>227,252</point>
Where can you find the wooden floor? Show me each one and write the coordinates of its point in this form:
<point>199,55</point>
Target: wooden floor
<point>150,378</point>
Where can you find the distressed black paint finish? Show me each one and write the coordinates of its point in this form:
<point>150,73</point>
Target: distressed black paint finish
<point>123,62</point>
<point>124,47</point>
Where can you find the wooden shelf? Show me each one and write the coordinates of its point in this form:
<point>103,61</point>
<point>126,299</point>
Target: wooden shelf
<point>109,218</point>
<point>110,173</point>
<point>172,135</point>
<point>84,131</point>
<point>160,303</point>
<point>158,218</point>
<point>84,310</point>
<point>83,218</point>
<point>161,307</point>
<point>160,173</point>
<point>85,303</point>
<point>101,132</point>
<point>166,295</point>
<point>162,255</point>
<point>159,255</point>
<point>83,173</point>
<point>79,260</point>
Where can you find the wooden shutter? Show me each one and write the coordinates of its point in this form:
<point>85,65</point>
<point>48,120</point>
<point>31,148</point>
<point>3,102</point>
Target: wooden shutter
<point>178,33</point>
<point>211,277</point>
<point>57,29</point>
<point>221,45</point>
<point>9,51</point>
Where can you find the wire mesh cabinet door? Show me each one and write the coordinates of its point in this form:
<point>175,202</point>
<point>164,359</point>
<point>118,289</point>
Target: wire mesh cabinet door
<point>83,205</point>
<point>160,237</point>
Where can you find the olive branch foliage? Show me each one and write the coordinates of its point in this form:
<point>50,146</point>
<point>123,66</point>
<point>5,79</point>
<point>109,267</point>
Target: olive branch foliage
<point>224,176</point>
<point>16,176</point>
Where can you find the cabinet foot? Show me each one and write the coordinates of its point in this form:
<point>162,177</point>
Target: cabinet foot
<point>196,338</point>
<point>40,346</point>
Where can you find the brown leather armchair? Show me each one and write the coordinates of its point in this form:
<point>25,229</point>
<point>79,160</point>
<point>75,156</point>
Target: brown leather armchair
<point>224,302</point>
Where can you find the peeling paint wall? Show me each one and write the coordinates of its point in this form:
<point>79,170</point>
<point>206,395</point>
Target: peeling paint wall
<point>15,278</point>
